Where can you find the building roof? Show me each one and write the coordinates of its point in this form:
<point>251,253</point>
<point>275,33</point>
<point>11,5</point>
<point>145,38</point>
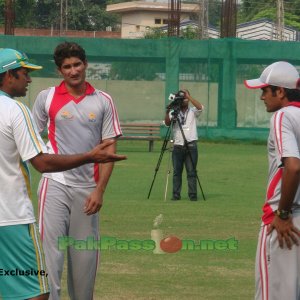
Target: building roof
<point>259,21</point>
<point>265,29</point>
<point>148,6</point>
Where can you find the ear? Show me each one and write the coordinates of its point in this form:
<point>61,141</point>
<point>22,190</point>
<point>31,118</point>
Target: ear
<point>58,71</point>
<point>8,77</point>
<point>281,92</point>
<point>8,74</point>
<point>7,82</point>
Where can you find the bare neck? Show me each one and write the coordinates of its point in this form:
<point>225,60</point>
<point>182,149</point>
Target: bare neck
<point>184,108</point>
<point>77,91</point>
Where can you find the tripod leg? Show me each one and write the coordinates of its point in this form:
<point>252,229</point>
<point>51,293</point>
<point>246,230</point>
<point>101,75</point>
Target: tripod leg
<point>200,187</point>
<point>168,174</point>
<point>163,149</point>
<point>167,182</point>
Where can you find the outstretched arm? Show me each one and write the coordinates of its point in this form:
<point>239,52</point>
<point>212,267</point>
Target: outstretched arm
<point>56,163</point>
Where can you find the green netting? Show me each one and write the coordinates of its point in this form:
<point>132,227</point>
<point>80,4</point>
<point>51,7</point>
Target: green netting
<point>140,74</point>
<point>201,80</point>
<point>251,110</point>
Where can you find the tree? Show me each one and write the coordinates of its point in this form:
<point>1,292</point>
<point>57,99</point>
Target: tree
<point>78,14</point>
<point>253,10</point>
<point>214,12</point>
<point>47,14</point>
<point>188,32</point>
<point>25,13</point>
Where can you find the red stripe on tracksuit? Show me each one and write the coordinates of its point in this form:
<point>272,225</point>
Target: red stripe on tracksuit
<point>117,129</point>
<point>96,172</point>
<point>57,103</point>
<point>263,267</point>
<point>41,205</point>
<point>278,130</point>
<point>268,214</point>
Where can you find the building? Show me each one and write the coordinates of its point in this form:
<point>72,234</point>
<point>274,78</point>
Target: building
<point>138,16</point>
<point>212,32</point>
<point>262,29</point>
<point>265,29</point>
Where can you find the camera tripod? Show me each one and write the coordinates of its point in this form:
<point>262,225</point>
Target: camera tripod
<point>164,148</point>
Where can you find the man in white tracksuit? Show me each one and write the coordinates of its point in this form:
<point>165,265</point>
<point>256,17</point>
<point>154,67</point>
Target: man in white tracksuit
<point>77,117</point>
<point>278,253</point>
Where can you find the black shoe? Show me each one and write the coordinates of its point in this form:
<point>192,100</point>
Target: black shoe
<point>175,198</point>
<point>193,199</point>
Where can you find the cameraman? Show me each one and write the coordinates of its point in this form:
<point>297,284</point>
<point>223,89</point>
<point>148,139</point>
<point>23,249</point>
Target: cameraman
<point>182,153</point>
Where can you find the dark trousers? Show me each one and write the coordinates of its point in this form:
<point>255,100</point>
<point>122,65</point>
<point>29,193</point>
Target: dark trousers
<point>180,158</point>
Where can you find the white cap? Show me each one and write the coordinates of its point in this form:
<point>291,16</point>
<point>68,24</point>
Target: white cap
<point>281,74</point>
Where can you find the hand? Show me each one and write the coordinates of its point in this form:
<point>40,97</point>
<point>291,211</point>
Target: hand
<point>187,94</point>
<point>100,155</point>
<point>286,232</point>
<point>93,203</point>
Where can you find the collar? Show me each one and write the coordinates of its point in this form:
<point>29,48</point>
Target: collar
<point>294,103</point>
<point>61,89</point>
<point>184,112</point>
<point>4,94</point>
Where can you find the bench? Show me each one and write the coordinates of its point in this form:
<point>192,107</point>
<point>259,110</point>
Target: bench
<point>141,131</point>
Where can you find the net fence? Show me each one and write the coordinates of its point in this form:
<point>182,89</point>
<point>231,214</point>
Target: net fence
<point>140,74</point>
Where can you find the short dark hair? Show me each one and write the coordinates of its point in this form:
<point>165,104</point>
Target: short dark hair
<point>14,73</point>
<point>291,94</point>
<point>68,50</point>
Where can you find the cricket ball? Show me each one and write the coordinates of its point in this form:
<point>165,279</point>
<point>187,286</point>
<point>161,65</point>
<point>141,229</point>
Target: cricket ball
<point>171,244</point>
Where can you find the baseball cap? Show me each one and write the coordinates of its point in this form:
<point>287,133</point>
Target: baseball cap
<point>281,74</point>
<point>12,59</point>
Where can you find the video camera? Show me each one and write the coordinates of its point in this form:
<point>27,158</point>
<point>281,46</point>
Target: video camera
<point>177,100</point>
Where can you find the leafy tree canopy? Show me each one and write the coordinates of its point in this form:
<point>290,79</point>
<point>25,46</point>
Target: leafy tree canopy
<point>189,33</point>
<point>251,10</point>
<point>92,15</point>
<point>75,14</point>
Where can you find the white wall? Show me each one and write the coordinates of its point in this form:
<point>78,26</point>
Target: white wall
<point>131,21</point>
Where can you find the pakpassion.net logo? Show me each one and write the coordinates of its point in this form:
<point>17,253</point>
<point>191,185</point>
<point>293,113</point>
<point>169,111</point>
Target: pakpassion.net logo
<point>169,244</point>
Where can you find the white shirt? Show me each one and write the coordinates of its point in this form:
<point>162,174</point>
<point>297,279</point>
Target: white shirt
<point>19,142</point>
<point>284,141</point>
<point>188,121</point>
<point>76,126</point>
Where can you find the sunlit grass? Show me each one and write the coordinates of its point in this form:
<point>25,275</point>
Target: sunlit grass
<point>233,178</point>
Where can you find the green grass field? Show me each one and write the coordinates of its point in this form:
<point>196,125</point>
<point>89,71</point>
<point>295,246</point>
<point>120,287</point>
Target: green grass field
<point>233,177</point>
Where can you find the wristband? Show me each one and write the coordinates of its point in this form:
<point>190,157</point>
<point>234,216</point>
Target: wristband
<point>283,214</point>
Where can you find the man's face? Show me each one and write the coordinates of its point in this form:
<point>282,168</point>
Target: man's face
<point>272,100</point>
<point>18,86</point>
<point>73,71</point>
<point>185,103</point>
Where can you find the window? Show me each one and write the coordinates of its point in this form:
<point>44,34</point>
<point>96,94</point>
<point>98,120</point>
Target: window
<point>157,21</point>
<point>165,21</point>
